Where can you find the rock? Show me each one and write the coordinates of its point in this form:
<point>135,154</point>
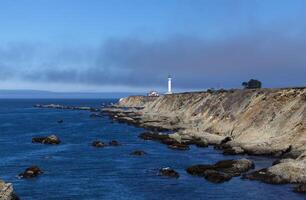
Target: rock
<point>225,140</point>
<point>138,153</point>
<point>223,143</point>
<point>216,176</point>
<point>60,121</point>
<point>233,151</point>
<point>52,139</point>
<point>163,138</point>
<point>31,172</point>
<point>7,191</point>
<point>199,142</point>
<point>300,188</point>
<point>222,170</point>
<point>98,144</point>
<point>114,143</point>
<point>93,115</point>
<point>167,171</point>
<point>178,146</point>
<point>265,176</point>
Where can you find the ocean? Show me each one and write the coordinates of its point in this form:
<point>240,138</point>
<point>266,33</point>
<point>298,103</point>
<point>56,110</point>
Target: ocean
<point>74,170</point>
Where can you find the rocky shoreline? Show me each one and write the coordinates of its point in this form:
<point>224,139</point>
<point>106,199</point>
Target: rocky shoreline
<point>268,122</point>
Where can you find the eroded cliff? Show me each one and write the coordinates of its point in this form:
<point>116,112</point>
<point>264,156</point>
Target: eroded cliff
<point>261,121</point>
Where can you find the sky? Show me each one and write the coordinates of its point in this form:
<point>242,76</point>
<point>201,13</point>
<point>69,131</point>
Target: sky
<point>133,45</point>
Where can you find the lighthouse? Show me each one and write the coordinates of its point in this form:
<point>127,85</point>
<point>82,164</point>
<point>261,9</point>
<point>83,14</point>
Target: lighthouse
<point>169,85</point>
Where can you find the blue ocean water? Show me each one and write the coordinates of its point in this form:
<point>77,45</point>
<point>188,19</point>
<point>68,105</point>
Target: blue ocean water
<point>75,170</point>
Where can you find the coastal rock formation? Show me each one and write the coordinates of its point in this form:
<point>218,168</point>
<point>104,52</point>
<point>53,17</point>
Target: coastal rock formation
<point>114,143</point>
<point>172,142</point>
<point>178,146</point>
<point>221,171</point>
<point>300,188</point>
<point>7,191</point>
<point>167,171</point>
<point>52,139</point>
<point>254,121</point>
<point>31,172</point>
<point>98,144</point>
<point>138,153</point>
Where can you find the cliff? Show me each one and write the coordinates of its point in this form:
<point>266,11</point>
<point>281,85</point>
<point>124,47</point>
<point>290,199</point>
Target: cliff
<point>267,117</point>
<point>261,121</point>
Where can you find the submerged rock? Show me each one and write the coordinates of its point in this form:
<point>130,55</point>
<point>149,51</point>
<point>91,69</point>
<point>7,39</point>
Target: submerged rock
<point>114,143</point>
<point>52,139</point>
<point>31,172</point>
<point>138,153</point>
<point>98,144</point>
<point>300,188</point>
<point>167,171</point>
<point>94,115</point>
<point>221,171</point>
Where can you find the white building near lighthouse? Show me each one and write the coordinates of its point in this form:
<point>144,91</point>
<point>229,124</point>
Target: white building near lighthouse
<point>169,85</point>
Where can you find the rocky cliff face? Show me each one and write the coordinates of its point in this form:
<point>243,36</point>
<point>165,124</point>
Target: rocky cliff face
<point>261,121</point>
<point>268,118</point>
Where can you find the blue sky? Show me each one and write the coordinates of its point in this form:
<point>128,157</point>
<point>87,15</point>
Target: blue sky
<point>132,45</point>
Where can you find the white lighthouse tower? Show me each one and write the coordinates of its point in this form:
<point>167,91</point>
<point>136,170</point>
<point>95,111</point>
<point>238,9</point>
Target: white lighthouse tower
<point>169,85</point>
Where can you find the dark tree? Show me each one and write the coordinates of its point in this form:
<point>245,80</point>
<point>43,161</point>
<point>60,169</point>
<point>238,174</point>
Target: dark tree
<point>245,84</point>
<point>252,84</point>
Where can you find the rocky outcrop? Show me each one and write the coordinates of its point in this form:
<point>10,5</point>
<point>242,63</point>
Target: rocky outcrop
<point>300,188</point>
<point>169,172</point>
<point>52,139</point>
<point>98,144</point>
<point>138,153</point>
<point>114,143</point>
<point>31,172</point>
<point>261,121</point>
<point>7,191</point>
<point>221,171</point>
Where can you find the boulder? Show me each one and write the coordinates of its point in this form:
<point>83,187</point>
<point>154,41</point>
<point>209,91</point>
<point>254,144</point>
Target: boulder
<point>233,151</point>
<point>265,176</point>
<point>163,138</point>
<point>52,139</point>
<point>178,146</point>
<point>138,153</point>
<point>221,171</point>
<point>31,172</point>
<point>114,143</point>
<point>98,144</point>
<point>7,191</point>
<point>300,188</point>
<point>167,171</point>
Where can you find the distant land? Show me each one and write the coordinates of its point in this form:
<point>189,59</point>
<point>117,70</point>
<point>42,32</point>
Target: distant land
<point>40,94</point>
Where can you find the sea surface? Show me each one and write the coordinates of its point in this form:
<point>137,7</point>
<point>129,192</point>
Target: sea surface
<point>75,170</point>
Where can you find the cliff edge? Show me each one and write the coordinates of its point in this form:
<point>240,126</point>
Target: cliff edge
<point>257,121</point>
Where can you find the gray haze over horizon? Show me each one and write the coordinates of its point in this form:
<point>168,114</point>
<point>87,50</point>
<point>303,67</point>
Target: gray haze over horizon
<point>221,47</point>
